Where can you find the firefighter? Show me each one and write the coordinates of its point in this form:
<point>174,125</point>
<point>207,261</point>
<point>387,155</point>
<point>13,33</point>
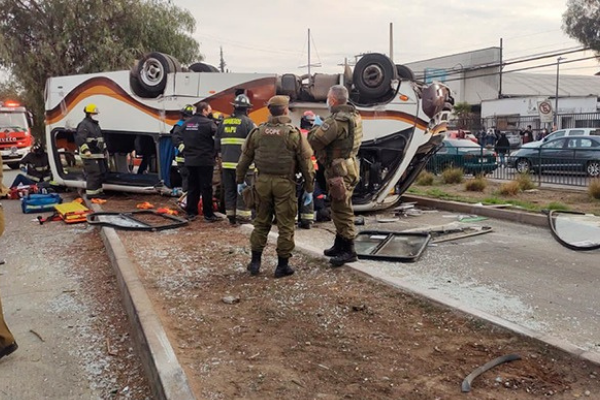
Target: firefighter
<point>7,341</point>
<point>229,139</point>
<point>336,143</point>
<point>278,149</point>
<point>92,151</point>
<point>35,166</point>
<point>177,136</point>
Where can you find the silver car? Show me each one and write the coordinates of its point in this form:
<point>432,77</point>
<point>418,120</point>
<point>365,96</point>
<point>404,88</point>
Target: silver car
<point>514,138</point>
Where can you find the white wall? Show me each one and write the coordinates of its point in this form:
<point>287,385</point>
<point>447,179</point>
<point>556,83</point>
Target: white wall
<point>527,106</point>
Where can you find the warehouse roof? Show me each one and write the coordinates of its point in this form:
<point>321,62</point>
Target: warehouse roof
<point>516,84</point>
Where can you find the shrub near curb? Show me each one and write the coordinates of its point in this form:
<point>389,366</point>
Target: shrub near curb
<point>425,179</point>
<point>477,184</point>
<point>525,182</point>
<point>453,175</point>
<point>509,189</point>
<point>594,188</point>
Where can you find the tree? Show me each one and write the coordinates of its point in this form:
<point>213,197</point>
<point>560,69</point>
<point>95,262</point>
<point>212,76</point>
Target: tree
<point>462,111</point>
<point>581,21</point>
<point>44,38</point>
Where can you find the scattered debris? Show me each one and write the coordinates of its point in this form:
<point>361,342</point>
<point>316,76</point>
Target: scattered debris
<point>98,201</point>
<point>359,220</point>
<point>466,385</point>
<point>37,335</point>
<point>387,220</point>
<point>144,206</point>
<point>230,299</point>
<point>132,220</point>
<point>470,218</point>
<point>391,246</point>
<point>108,349</point>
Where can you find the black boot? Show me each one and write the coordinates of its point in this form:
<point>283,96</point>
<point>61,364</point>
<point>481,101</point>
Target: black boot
<point>283,268</point>
<point>336,249</point>
<point>347,255</point>
<point>232,219</point>
<point>254,266</point>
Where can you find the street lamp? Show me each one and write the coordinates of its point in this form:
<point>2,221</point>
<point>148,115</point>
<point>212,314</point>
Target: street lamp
<point>558,60</point>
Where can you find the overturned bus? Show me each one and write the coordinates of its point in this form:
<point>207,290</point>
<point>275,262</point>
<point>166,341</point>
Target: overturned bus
<point>402,119</point>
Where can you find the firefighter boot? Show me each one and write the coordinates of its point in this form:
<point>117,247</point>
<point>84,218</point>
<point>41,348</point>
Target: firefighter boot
<point>283,268</point>
<point>336,249</point>
<point>347,255</point>
<point>254,266</point>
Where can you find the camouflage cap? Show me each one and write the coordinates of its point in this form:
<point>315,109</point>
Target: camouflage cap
<point>279,101</point>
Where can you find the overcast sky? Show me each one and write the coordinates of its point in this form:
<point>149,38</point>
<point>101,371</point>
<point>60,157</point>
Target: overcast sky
<point>271,36</point>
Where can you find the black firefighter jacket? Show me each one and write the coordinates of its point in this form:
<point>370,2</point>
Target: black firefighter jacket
<point>198,143</point>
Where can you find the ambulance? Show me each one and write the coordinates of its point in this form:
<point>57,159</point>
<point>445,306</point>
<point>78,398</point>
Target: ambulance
<point>403,119</point>
<point>15,132</point>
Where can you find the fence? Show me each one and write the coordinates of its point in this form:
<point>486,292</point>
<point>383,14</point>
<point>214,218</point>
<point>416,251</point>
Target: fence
<point>516,122</point>
<point>566,166</point>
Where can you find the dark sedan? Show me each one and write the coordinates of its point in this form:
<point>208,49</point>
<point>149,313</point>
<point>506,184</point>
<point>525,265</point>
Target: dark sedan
<point>564,154</point>
<point>465,154</point>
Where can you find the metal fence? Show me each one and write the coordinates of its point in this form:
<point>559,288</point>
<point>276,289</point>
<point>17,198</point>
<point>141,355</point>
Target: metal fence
<point>570,167</point>
<point>517,122</point>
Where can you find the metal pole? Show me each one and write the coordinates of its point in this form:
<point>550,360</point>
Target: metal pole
<point>309,53</point>
<point>500,86</point>
<point>556,98</point>
<point>392,41</point>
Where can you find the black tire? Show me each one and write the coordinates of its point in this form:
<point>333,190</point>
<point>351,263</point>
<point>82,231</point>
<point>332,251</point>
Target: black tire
<point>523,166</point>
<point>593,168</point>
<point>134,83</point>
<point>202,67</point>
<point>151,72</point>
<point>176,63</point>
<point>405,73</point>
<point>373,75</point>
<point>13,165</point>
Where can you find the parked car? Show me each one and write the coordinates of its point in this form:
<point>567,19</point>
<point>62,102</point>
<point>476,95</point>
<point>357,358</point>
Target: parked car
<point>563,154</point>
<point>465,154</point>
<point>565,132</point>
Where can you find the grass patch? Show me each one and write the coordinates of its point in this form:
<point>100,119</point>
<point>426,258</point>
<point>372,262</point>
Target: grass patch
<point>425,178</point>
<point>477,184</point>
<point>526,205</point>
<point>594,189</point>
<point>453,175</point>
<point>557,206</point>
<point>509,189</point>
<point>525,182</point>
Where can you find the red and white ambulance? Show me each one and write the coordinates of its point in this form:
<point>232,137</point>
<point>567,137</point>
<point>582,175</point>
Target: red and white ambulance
<point>15,132</point>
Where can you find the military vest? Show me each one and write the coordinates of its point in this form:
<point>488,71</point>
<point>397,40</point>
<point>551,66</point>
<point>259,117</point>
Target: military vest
<point>275,152</point>
<point>347,145</point>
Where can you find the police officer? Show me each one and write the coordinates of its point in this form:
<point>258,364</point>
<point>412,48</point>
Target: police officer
<point>35,167</point>
<point>278,150</point>
<point>7,341</point>
<point>177,136</point>
<point>229,139</point>
<point>199,153</point>
<point>336,143</point>
<point>92,151</point>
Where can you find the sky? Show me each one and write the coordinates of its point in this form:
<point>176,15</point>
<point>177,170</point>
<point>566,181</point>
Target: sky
<point>271,35</point>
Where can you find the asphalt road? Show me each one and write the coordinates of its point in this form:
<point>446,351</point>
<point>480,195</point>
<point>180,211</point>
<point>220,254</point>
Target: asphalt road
<point>517,272</point>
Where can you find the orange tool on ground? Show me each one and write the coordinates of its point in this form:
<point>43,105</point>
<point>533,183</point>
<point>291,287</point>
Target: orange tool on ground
<point>144,206</point>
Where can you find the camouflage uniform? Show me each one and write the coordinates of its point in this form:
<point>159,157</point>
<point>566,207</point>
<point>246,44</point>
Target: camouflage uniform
<point>7,341</point>
<point>278,150</point>
<point>338,139</point>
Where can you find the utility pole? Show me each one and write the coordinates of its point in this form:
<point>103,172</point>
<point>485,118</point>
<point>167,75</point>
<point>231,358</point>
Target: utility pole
<point>392,41</point>
<point>558,60</point>
<point>222,62</point>
<point>309,64</point>
<point>500,86</point>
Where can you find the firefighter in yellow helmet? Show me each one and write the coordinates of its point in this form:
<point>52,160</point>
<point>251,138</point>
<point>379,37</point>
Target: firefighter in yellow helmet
<point>92,151</point>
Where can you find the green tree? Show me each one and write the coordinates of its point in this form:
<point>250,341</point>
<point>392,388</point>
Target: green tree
<point>581,21</point>
<point>462,112</point>
<point>44,38</point>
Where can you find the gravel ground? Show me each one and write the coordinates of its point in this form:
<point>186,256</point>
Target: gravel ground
<point>62,303</point>
<point>325,334</point>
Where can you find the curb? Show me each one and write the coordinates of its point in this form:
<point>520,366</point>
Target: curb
<point>448,302</point>
<point>484,211</point>
<point>166,378</point>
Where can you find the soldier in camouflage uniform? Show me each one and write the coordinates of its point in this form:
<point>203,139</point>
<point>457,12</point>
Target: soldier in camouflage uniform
<point>278,150</point>
<point>336,143</point>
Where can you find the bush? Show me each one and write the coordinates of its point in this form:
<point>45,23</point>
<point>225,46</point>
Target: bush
<point>509,189</point>
<point>453,175</point>
<point>525,182</point>
<point>594,188</point>
<point>477,184</point>
<point>425,178</point>
<point>557,206</point>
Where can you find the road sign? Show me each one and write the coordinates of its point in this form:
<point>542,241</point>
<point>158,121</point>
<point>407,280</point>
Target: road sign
<point>546,111</point>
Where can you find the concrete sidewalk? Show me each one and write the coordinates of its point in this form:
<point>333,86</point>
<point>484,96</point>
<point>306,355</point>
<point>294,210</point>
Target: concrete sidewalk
<point>50,286</point>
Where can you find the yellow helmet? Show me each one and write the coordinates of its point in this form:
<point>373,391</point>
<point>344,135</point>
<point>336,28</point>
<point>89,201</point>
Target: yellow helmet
<point>91,109</point>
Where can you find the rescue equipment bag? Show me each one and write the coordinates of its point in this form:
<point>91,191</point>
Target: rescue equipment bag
<point>34,203</point>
